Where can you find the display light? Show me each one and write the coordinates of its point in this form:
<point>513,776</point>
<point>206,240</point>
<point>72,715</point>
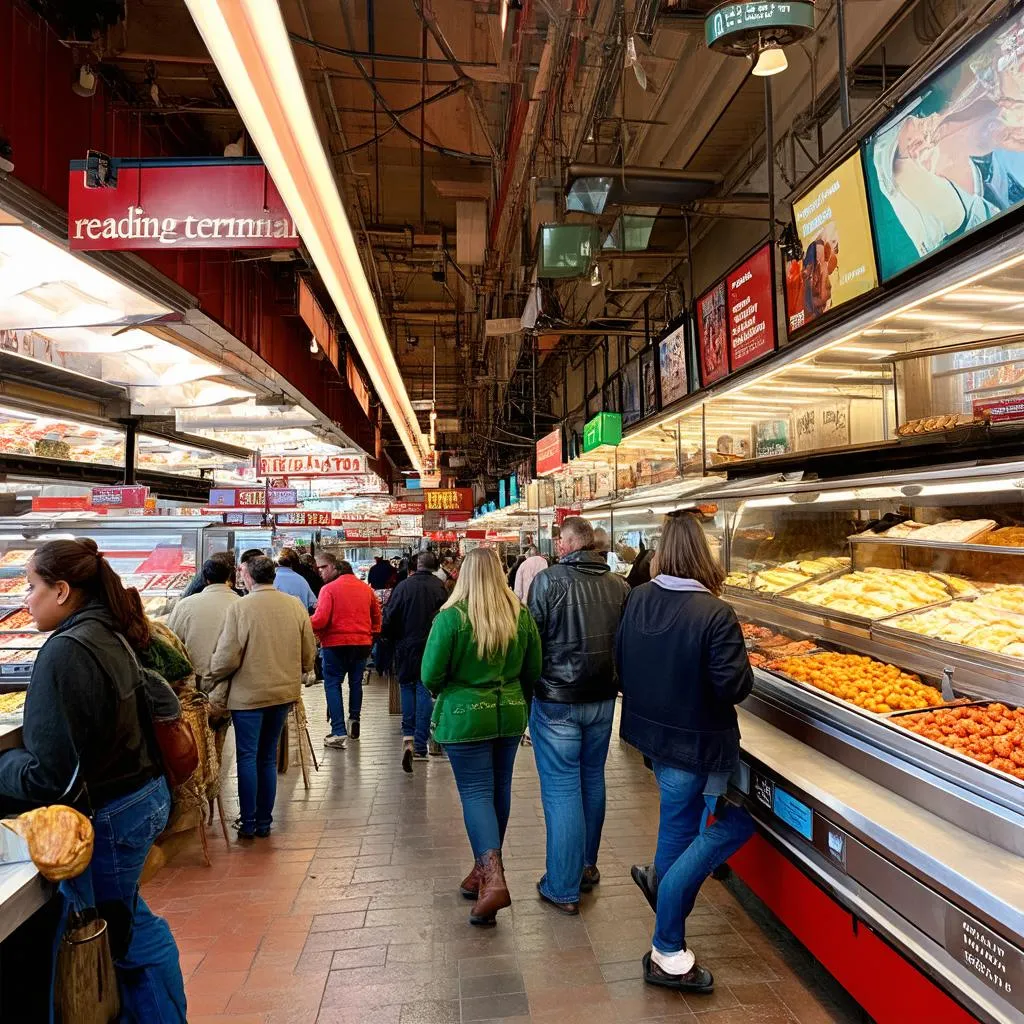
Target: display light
<point>771,60</point>
<point>249,43</point>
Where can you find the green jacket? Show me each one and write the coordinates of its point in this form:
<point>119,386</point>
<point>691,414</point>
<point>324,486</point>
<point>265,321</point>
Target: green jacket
<point>478,699</point>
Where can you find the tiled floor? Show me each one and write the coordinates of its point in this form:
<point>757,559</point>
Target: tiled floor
<point>350,914</point>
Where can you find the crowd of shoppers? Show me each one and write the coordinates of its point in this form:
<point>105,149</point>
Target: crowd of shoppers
<point>481,652</point>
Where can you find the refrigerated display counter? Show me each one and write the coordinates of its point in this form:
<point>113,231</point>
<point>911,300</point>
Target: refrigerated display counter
<point>883,745</point>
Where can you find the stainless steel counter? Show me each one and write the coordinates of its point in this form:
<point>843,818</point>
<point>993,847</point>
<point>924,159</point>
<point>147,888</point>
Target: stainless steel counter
<point>22,892</point>
<point>918,880</point>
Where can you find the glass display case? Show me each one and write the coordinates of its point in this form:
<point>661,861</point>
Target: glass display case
<point>156,554</point>
<point>52,437</point>
<point>892,607</point>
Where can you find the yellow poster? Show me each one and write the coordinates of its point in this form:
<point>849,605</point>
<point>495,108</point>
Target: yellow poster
<point>839,259</point>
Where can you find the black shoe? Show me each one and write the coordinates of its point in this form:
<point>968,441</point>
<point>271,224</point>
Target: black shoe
<point>263,833</point>
<point>243,833</point>
<point>407,756</point>
<point>591,876</point>
<point>420,755</point>
<point>353,728</point>
<point>698,979</point>
<point>721,873</point>
<point>569,909</point>
<point>643,875</point>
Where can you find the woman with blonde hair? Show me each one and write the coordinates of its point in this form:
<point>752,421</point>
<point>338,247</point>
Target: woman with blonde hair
<point>481,661</point>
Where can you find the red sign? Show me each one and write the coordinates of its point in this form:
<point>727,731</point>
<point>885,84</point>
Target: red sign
<point>303,519</point>
<point>61,504</point>
<point>253,497</point>
<point>312,465</point>
<point>120,497</point>
<point>443,536</point>
<point>406,508</point>
<point>751,301</point>
<point>450,499</point>
<point>561,514</point>
<point>549,453</point>
<point>713,335</point>
<point>476,535</point>
<point>215,205</point>
<point>1001,410</point>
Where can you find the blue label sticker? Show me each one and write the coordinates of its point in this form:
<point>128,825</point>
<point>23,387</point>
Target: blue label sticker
<point>796,815</point>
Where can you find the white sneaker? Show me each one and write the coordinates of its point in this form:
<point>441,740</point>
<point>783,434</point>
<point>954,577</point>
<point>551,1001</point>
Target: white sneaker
<point>674,963</point>
<point>335,742</point>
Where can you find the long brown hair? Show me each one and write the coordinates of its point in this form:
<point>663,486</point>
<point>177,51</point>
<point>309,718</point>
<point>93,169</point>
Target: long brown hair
<point>79,564</point>
<point>684,552</point>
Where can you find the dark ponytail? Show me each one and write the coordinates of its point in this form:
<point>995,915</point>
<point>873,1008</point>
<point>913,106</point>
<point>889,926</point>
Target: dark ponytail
<point>79,564</point>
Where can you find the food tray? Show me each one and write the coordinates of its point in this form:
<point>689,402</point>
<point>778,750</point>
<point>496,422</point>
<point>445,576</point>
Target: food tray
<point>770,595</point>
<point>950,751</point>
<point>888,630</point>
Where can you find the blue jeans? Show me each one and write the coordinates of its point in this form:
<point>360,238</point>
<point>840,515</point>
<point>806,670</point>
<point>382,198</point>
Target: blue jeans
<point>144,951</point>
<point>570,744</point>
<point>256,737</point>
<point>339,662</point>
<point>483,774</point>
<point>689,849</point>
<point>417,707</point>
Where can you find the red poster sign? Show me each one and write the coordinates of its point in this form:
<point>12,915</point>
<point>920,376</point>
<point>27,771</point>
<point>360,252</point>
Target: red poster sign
<point>303,519</point>
<point>406,508</point>
<point>1001,410</point>
<point>476,535</point>
<point>451,499</point>
<point>120,497</point>
<point>561,514</point>
<point>312,465</point>
<point>751,302</point>
<point>156,205</point>
<point>549,453</point>
<point>712,335</point>
<point>443,536</point>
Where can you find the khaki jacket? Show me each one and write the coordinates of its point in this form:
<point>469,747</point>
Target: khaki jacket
<point>197,621</point>
<point>266,646</point>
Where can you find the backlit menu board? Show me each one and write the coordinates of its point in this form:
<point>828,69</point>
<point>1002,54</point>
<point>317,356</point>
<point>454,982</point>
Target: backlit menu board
<point>712,335</point>
<point>750,294</point>
<point>672,359</point>
<point>950,158</point>
<point>838,263</point>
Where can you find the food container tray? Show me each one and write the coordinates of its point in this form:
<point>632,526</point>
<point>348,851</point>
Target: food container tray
<point>962,758</point>
<point>889,630</point>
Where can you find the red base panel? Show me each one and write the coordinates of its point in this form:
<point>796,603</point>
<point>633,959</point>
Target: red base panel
<point>885,984</point>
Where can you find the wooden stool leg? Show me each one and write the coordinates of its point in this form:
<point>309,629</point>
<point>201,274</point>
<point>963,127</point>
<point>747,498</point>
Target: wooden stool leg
<point>223,822</point>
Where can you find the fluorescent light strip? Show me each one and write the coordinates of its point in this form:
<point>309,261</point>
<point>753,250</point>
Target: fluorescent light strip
<point>249,43</point>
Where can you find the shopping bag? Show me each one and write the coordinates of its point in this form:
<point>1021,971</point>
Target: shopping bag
<point>85,985</point>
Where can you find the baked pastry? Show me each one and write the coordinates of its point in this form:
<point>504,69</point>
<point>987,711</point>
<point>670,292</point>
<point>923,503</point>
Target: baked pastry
<point>59,840</point>
<point>1006,597</point>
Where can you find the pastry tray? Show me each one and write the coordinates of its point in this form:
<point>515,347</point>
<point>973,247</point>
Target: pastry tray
<point>771,595</point>
<point>889,629</point>
<point>936,545</point>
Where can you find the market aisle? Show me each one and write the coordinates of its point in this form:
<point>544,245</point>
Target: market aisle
<point>350,914</point>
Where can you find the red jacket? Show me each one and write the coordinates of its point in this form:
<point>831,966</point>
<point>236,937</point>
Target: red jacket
<point>347,614</point>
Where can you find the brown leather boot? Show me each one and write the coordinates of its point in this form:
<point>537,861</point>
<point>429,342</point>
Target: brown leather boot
<point>470,887</point>
<point>494,893</point>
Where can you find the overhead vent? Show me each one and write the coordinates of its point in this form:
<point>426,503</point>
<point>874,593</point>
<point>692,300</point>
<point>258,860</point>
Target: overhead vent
<point>593,187</point>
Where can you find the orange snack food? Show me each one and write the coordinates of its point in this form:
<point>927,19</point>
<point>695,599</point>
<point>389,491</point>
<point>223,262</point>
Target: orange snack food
<point>992,734</point>
<point>869,684</point>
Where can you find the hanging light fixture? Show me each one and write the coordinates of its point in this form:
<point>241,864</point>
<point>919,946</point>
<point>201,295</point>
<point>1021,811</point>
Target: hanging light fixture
<point>771,59</point>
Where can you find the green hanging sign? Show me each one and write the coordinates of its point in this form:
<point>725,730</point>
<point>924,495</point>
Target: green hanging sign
<point>604,428</point>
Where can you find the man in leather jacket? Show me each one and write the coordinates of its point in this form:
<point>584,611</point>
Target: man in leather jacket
<point>577,605</point>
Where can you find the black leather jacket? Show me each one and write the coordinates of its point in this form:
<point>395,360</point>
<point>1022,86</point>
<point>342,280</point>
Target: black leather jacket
<point>577,605</point>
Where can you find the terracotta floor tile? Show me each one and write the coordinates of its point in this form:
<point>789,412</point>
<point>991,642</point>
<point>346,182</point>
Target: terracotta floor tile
<point>350,913</point>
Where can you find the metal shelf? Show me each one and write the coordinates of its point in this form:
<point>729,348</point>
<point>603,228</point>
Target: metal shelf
<point>937,545</point>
